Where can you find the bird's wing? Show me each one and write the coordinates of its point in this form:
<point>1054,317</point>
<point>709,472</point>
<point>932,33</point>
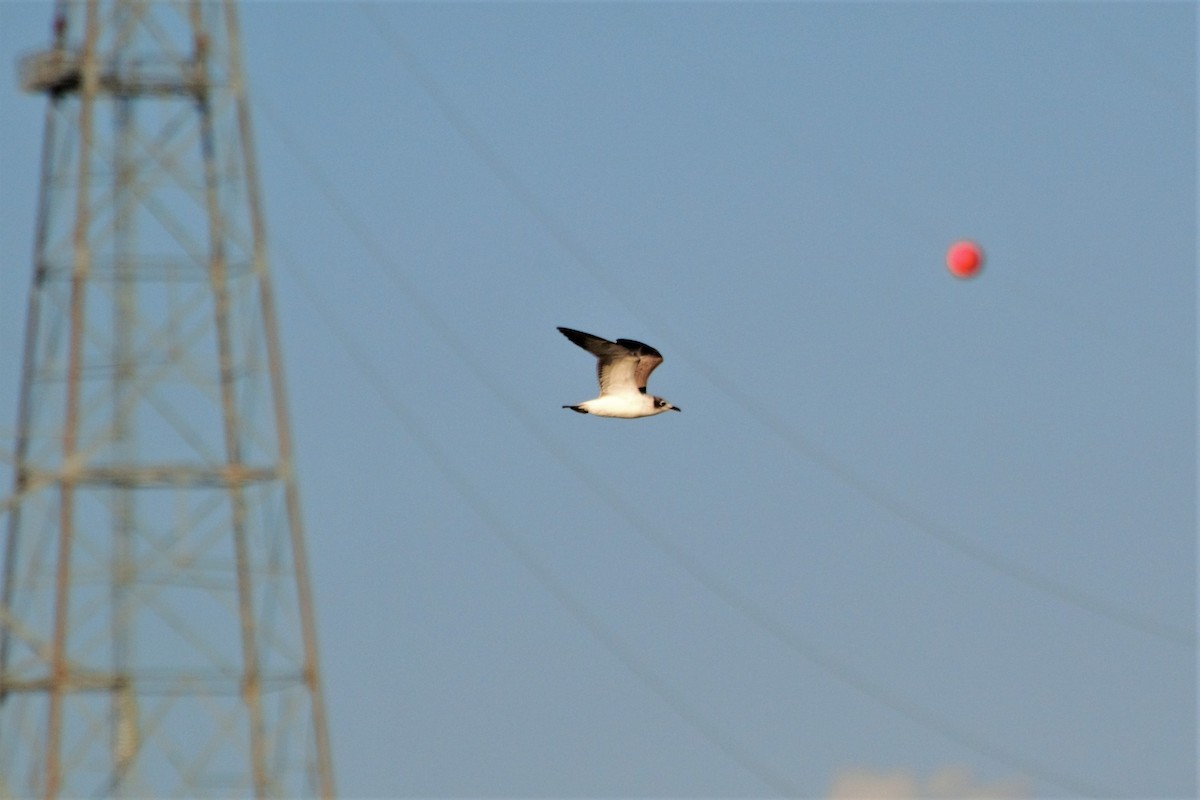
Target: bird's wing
<point>618,374</point>
<point>623,366</point>
<point>648,359</point>
<point>593,344</point>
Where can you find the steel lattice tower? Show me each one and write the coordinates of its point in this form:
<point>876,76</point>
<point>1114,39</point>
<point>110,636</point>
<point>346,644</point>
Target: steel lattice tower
<point>156,626</point>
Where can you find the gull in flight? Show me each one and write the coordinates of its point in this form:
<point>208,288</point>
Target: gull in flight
<point>624,366</point>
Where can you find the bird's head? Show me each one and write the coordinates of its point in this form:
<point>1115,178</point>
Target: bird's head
<point>662,405</point>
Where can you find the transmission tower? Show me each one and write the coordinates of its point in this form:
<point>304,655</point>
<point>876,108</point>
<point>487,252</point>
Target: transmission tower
<point>156,624</point>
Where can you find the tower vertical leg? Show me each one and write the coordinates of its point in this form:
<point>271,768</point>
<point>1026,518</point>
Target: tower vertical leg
<point>323,767</point>
<point>81,268</point>
<point>217,268</point>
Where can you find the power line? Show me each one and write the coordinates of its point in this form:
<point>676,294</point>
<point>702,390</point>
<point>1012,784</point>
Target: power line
<point>720,588</point>
<point>800,444</point>
<point>589,621</point>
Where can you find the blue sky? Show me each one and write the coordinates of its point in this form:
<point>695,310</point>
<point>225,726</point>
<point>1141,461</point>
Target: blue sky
<point>904,524</point>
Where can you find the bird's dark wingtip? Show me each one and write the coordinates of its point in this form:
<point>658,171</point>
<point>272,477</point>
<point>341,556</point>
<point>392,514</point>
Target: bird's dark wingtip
<point>587,341</point>
<point>641,348</point>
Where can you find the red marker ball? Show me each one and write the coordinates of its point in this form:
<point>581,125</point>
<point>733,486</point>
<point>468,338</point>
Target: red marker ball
<point>964,259</point>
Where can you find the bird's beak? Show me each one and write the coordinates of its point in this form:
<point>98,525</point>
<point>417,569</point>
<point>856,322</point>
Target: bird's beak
<point>676,408</point>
